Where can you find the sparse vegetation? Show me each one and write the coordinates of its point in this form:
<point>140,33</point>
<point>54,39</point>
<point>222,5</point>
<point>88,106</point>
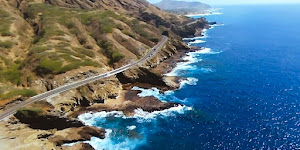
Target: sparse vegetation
<point>11,74</point>
<point>154,39</point>
<point>29,112</point>
<point>37,49</point>
<point>6,44</point>
<point>128,33</point>
<point>16,92</point>
<point>50,65</point>
<point>51,51</point>
<point>139,28</point>
<point>76,65</point>
<point>5,22</point>
<point>7,33</point>
<point>116,57</point>
<point>84,51</point>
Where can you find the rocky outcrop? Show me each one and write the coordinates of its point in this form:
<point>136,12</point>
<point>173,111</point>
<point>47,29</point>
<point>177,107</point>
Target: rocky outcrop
<point>97,92</point>
<point>72,135</point>
<point>21,5</point>
<point>79,146</point>
<point>141,75</point>
<point>44,121</point>
<point>148,104</point>
<point>129,102</point>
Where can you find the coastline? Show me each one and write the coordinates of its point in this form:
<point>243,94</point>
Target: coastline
<point>146,106</point>
<point>127,101</point>
<point>127,95</point>
<point>174,82</point>
<point>209,12</point>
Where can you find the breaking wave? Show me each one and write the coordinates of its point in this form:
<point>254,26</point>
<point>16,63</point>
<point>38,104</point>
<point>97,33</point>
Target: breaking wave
<point>130,136</point>
<point>188,81</point>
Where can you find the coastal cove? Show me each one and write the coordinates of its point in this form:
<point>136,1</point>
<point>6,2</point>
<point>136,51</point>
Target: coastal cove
<point>241,90</point>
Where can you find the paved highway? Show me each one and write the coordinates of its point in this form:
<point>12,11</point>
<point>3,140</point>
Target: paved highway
<point>67,87</point>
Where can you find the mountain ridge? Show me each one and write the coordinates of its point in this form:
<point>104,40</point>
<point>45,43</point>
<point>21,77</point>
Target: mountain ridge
<point>182,7</point>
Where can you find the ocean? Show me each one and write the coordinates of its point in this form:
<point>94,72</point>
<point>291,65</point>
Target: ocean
<point>241,89</point>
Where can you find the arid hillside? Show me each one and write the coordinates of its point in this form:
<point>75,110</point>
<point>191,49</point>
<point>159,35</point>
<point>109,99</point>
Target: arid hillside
<point>45,44</point>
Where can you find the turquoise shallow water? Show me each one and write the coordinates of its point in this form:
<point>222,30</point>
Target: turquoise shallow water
<point>242,90</point>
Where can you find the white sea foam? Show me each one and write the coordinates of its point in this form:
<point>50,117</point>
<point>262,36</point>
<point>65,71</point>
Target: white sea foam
<point>131,127</point>
<point>205,51</point>
<point>143,116</point>
<point>123,141</point>
<point>215,25</point>
<point>94,118</point>
<point>206,70</point>
<point>91,119</point>
<point>213,11</point>
<point>188,81</point>
<point>196,42</point>
<point>205,14</point>
<point>191,58</point>
<point>109,142</point>
<point>71,144</point>
<point>195,38</point>
<point>149,92</point>
<point>164,97</point>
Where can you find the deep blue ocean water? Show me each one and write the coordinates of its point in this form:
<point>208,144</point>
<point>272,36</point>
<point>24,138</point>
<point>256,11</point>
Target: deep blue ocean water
<point>246,96</point>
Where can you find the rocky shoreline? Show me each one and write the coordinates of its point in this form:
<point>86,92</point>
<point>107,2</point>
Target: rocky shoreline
<point>51,123</point>
<point>127,102</point>
<point>68,131</point>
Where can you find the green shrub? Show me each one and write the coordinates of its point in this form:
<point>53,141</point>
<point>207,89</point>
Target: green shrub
<point>120,27</point>
<point>107,25</point>
<point>70,24</point>
<point>116,57</point>
<point>29,112</point>
<point>6,61</point>
<point>102,19</point>
<point>5,21</point>
<point>37,49</point>
<point>7,33</point>
<point>154,39</point>
<point>140,30</point>
<point>135,21</point>
<point>51,65</point>
<point>6,44</point>
<point>86,52</point>
<point>16,92</point>
<point>86,18</point>
<point>54,56</point>
<point>74,31</point>
<point>38,37</point>
<point>70,52</point>
<point>12,74</point>
<point>128,33</point>
<point>68,58</point>
<point>76,65</point>
<point>107,48</point>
